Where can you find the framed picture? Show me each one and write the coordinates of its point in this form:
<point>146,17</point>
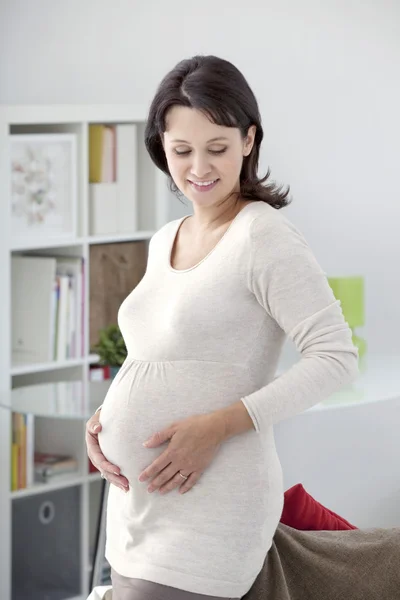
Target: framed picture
<point>43,187</point>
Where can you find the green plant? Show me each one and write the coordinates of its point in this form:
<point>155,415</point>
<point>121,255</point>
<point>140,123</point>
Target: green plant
<point>111,346</point>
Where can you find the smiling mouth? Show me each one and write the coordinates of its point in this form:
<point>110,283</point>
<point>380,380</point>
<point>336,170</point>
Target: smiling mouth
<point>203,185</point>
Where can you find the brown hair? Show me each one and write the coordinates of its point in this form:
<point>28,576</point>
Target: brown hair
<point>218,89</point>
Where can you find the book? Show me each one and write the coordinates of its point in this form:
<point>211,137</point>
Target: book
<point>30,448</point>
<point>83,309</point>
<point>23,457</point>
<point>22,451</point>
<point>62,318</point>
<point>95,152</point>
<point>108,152</point>
<point>20,457</point>
<point>14,467</point>
<point>101,153</point>
<point>14,452</point>
<point>126,177</point>
<point>53,318</point>
<point>47,466</point>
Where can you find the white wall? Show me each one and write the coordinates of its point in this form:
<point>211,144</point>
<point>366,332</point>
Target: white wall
<point>347,459</point>
<point>327,78</point>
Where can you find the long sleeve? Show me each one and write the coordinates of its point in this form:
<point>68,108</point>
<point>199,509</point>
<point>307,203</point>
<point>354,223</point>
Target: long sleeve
<point>289,284</point>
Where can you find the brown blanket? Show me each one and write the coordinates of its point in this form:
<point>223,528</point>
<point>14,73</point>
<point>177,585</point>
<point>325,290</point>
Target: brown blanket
<point>330,565</point>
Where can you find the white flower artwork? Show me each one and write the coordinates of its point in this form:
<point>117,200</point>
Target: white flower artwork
<point>43,186</point>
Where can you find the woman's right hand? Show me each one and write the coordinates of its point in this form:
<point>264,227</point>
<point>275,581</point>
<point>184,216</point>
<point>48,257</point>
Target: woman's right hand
<point>110,471</point>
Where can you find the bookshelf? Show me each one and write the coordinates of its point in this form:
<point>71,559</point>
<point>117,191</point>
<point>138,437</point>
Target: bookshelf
<point>35,387</point>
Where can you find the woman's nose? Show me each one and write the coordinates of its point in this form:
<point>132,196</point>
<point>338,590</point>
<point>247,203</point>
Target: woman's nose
<point>200,167</point>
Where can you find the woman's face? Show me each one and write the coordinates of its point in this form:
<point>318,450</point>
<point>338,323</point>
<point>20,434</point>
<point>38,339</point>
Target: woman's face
<point>204,159</point>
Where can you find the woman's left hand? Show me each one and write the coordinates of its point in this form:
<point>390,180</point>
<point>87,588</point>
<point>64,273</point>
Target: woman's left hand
<point>194,443</point>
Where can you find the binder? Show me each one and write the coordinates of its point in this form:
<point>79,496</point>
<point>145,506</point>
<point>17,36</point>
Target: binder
<point>127,156</point>
<point>32,280</point>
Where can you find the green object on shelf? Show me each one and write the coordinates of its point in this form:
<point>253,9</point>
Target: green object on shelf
<point>111,347</point>
<point>350,292</point>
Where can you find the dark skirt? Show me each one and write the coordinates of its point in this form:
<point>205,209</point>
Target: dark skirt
<point>125,588</point>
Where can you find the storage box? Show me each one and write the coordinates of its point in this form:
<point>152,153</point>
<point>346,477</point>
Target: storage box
<point>103,208</point>
<point>46,548</point>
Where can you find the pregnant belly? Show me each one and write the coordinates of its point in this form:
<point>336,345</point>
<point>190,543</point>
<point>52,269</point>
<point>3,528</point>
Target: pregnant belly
<point>244,476</point>
<point>146,397</point>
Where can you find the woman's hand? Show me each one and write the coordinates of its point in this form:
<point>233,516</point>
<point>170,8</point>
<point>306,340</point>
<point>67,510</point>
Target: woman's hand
<point>110,472</point>
<point>194,444</point>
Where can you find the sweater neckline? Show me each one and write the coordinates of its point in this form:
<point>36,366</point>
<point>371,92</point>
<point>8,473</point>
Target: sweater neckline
<point>175,233</point>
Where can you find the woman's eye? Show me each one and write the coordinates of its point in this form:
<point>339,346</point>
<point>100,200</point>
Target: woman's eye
<point>218,151</point>
<point>182,153</point>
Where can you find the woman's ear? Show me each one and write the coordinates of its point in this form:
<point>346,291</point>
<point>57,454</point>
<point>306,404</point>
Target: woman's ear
<point>249,140</point>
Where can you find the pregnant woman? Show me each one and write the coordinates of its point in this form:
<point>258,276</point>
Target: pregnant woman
<point>192,515</point>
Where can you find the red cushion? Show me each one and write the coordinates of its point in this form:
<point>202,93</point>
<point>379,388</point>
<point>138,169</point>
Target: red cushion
<point>302,511</point>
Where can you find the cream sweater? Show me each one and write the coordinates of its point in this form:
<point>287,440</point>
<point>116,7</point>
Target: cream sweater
<point>198,340</point>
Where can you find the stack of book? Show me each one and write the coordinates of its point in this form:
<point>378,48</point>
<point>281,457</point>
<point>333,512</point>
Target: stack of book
<point>47,308</point>
<point>113,178</point>
<point>50,467</point>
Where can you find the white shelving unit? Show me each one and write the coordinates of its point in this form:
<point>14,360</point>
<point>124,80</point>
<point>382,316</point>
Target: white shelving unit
<point>62,431</point>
